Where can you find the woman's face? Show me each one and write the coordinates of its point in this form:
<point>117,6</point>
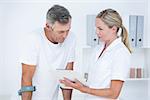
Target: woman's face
<point>103,31</point>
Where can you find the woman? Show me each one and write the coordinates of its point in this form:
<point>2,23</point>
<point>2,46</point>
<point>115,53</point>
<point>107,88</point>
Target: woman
<point>111,60</point>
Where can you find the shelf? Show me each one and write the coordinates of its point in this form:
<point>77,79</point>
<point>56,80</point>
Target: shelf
<point>138,79</point>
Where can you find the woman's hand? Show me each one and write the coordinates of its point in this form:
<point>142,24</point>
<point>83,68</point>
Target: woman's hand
<point>76,85</point>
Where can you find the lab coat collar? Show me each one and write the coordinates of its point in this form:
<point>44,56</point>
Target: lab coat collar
<point>101,47</point>
<point>113,44</point>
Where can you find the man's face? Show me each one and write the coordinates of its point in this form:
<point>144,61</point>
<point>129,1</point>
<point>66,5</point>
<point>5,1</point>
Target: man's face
<point>60,31</point>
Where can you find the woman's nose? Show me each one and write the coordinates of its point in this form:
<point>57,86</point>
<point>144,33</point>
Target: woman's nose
<point>97,32</point>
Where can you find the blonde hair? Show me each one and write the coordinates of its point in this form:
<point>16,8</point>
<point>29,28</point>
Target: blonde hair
<point>112,18</point>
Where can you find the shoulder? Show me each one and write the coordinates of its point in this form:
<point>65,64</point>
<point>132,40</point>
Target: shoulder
<point>32,38</point>
<point>121,52</point>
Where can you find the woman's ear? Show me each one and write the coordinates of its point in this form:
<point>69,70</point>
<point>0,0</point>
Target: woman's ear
<point>114,29</point>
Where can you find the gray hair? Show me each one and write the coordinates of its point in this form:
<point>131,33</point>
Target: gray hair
<point>112,18</point>
<point>58,13</point>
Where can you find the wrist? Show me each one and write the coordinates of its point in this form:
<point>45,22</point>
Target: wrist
<point>86,89</point>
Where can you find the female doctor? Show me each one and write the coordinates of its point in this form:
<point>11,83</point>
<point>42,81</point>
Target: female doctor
<point>110,61</point>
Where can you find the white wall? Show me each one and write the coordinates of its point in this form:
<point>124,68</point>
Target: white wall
<point>149,40</point>
<point>20,17</point>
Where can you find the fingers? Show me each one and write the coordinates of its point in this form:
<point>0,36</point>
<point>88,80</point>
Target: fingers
<point>67,82</point>
<point>77,81</point>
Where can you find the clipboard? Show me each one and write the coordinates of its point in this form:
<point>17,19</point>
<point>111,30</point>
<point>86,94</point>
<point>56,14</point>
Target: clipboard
<point>71,75</point>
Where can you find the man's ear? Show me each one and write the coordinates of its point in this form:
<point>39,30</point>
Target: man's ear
<point>47,25</point>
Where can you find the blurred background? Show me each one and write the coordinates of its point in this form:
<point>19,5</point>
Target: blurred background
<point>20,17</point>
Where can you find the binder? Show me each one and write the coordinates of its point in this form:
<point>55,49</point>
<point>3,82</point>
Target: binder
<point>92,38</point>
<point>140,30</point>
<point>136,30</point>
<point>132,30</point>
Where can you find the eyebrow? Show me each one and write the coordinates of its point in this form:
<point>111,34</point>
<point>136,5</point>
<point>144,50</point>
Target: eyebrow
<point>64,31</point>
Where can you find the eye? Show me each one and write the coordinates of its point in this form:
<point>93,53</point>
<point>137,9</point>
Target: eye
<point>68,31</point>
<point>60,32</point>
<point>98,28</point>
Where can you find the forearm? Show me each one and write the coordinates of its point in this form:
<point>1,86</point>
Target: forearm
<point>67,93</point>
<point>112,92</point>
<point>27,74</point>
<point>26,95</point>
<point>108,92</point>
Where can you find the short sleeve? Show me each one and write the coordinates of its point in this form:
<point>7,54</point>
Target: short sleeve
<point>121,65</point>
<point>29,50</point>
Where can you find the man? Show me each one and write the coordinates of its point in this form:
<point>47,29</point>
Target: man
<point>44,53</point>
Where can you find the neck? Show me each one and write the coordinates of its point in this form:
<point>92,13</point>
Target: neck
<point>49,37</point>
<point>107,43</point>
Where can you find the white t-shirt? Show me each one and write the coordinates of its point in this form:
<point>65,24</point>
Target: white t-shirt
<point>47,57</point>
<point>113,64</point>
